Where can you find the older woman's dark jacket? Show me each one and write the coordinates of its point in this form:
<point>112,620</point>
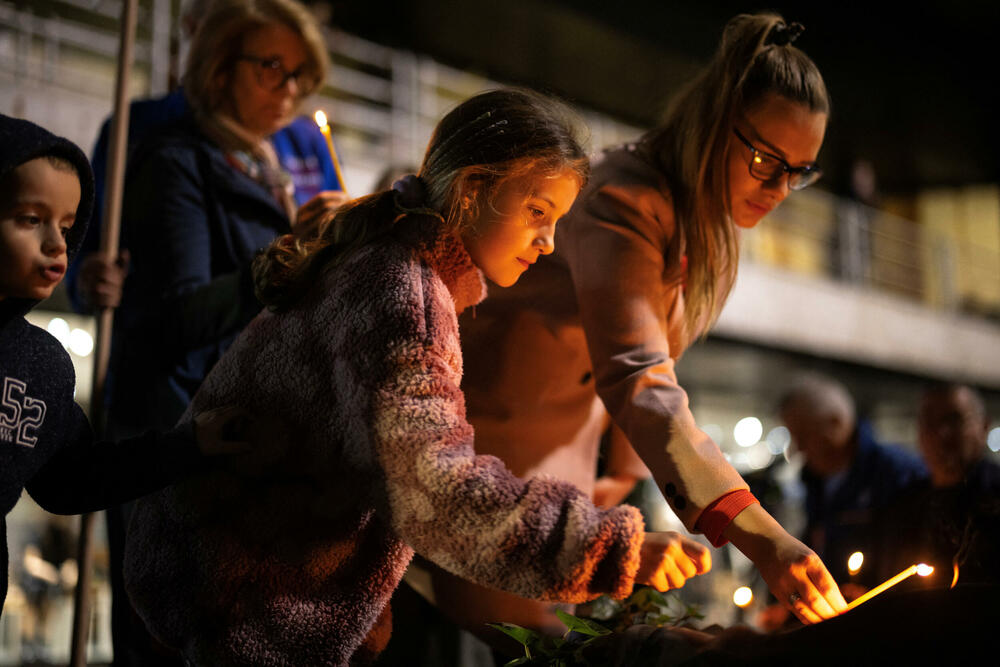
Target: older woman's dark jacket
<point>193,222</point>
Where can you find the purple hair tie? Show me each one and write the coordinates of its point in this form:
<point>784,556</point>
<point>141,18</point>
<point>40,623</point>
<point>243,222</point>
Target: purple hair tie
<point>411,197</point>
<point>410,192</point>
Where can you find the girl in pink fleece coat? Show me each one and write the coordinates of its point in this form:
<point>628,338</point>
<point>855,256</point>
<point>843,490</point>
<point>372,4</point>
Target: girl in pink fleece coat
<point>289,555</point>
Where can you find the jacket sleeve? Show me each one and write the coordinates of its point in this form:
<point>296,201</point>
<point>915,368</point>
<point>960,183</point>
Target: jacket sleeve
<point>169,217</point>
<point>86,476</point>
<point>540,538</point>
<point>631,317</point>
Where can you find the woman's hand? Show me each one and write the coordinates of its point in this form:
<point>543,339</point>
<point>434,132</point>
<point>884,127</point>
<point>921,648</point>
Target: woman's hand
<point>668,559</point>
<point>793,571</point>
<point>100,281</point>
<point>316,210</point>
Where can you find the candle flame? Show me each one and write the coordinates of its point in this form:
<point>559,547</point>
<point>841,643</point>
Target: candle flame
<point>855,561</point>
<point>954,578</point>
<point>320,118</point>
<point>923,569</point>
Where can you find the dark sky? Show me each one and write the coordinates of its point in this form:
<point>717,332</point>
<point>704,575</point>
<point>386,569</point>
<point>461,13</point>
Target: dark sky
<point>913,84</point>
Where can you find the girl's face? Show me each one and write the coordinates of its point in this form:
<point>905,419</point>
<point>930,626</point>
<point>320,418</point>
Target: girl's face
<point>783,128</point>
<point>516,223</point>
<point>264,87</point>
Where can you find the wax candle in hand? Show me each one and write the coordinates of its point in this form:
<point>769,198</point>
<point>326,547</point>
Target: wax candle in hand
<point>324,127</point>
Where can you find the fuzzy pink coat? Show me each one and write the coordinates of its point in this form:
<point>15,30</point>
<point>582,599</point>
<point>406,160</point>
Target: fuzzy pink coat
<point>289,554</point>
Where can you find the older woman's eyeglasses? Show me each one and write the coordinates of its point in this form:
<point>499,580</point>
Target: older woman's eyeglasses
<point>271,74</point>
<point>766,166</point>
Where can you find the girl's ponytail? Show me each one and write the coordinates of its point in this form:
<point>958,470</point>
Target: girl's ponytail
<point>285,270</point>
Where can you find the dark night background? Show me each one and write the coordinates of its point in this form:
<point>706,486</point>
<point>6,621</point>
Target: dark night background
<point>914,86</point>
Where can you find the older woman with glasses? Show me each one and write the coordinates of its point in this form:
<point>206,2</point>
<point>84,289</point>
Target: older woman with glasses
<point>202,197</point>
<point>643,264</point>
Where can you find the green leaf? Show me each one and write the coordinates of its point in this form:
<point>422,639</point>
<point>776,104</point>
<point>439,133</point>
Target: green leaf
<point>523,635</point>
<point>582,625</point>
<point>523,660</point>
<point>659,620</point>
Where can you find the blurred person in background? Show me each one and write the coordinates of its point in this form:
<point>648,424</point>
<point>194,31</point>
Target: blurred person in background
<point>300,147</point>
<point>849,476</point>
<point>850,481</point>
<point>950,520</point>
<point>206,188</point>
<point>643,264</point>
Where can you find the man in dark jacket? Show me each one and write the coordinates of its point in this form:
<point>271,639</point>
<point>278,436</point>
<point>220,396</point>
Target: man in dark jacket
<point>848,475</point>
<point>951,520</point>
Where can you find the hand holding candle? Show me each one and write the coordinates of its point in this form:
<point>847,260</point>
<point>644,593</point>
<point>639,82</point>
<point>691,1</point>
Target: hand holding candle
<point>921,569</point>
<point>324,127</point>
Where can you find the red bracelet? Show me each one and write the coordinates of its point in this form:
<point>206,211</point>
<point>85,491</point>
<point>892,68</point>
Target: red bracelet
<point>721,512</point>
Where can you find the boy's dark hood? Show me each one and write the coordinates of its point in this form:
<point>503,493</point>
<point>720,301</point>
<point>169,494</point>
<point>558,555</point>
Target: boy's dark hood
<point>21,141</point>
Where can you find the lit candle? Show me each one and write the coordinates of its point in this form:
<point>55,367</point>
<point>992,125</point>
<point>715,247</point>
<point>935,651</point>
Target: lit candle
<point>324,127</point>
<point>921,569</point>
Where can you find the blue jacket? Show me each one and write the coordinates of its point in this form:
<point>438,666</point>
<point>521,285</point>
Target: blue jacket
<point>193,224</point>
<point>847,520</point>
<point>300,146</point>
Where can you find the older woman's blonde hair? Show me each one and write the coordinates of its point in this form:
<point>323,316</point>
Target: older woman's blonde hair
<point>218,43</point>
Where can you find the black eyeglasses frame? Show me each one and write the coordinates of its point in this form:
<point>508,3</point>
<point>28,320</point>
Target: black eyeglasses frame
<point>799,178</point>
<point>274,64</point>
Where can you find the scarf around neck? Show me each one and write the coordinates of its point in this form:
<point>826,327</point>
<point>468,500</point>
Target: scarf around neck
<point>253,156</point>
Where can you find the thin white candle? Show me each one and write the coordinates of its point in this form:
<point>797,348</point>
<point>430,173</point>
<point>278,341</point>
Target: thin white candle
<point>921,569</point>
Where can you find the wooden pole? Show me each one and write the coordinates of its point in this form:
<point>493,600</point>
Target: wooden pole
<point>111,220</point>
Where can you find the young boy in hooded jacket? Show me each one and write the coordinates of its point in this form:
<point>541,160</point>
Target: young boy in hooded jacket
<point>46,443</point>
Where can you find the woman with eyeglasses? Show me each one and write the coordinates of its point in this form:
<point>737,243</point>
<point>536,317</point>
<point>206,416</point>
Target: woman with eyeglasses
<point>202,197</point>
<point>643,264</point>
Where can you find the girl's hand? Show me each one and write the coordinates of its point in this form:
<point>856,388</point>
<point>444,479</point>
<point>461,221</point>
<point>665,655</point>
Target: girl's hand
<point>100,281</point>
<point>223,431</point>
<point>669,559</point>
<point>793,571</point>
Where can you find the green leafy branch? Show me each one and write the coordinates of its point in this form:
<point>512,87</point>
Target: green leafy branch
<point>603,616</point>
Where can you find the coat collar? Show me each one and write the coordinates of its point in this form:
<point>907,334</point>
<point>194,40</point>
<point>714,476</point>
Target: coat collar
<point>447,255</point>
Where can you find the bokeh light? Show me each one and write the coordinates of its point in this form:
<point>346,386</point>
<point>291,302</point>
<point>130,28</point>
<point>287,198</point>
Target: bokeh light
<point>993,440</point>
<point>748,431</point>
<point>778,440</point>
<point>742,596</point>
<point>59,328</point>
<point>81,343</point>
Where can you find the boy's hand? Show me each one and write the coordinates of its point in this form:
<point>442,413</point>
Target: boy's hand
<point>669,559</point>
<point>222,431</point>
<point>100,282</point>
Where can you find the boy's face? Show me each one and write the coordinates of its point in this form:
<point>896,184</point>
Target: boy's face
<point>37,209</point>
